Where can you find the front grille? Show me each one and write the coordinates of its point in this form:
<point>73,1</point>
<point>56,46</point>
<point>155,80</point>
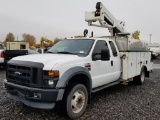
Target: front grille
<point>21,75</point>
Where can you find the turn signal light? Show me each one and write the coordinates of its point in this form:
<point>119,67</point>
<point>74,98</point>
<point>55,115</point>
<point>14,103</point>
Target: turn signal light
<point>50,73</point>
<point>53,73</point>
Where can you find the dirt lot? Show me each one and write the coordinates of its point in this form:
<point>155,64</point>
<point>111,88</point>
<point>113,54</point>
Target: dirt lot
<point>115,103</point>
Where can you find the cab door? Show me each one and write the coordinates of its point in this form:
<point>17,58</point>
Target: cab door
<point>101,71</point>
<point>115,60</point>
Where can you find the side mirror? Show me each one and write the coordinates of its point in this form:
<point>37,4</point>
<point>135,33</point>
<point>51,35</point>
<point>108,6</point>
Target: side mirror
<point>96,56</point>
<point>105,55</point>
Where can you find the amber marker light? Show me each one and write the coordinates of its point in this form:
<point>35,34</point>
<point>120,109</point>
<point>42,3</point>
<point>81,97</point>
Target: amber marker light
<point>53,73</point>
<point>56,73</point>
<point>50,73</point>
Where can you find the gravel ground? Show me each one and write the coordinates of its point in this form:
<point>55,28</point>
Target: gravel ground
<point>156,60</point>
<point>131,102</point>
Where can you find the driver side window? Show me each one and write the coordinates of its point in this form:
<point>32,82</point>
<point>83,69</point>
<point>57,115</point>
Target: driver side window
<point>100,45</point>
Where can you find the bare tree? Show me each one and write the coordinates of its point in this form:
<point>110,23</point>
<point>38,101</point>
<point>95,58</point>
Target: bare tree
<point>136,35</point>
<point>56,40</point>
<point>10,37</point>
<point>29,38</point>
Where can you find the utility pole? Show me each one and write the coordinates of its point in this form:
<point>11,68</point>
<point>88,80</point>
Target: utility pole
<point>17,38</point>
<point>150,37</point>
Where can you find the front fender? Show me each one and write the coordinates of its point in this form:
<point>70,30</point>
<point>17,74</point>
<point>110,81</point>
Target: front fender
<point>64,79</point>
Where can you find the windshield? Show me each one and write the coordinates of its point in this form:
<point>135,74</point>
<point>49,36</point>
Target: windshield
<point>72,46</point>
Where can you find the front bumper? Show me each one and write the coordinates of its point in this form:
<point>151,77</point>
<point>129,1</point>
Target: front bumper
<point>34,97</point>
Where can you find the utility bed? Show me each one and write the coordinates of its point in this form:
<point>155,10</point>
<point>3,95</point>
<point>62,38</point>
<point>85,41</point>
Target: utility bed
<point>132,62</point>
<point>134,55</point>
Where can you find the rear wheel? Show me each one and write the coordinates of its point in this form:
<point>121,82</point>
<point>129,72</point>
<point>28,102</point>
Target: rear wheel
<point>76,101</point>
<point>140,78</point>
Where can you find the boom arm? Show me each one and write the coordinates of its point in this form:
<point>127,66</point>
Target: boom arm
<point>106,20</point>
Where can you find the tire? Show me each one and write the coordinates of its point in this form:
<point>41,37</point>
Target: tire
<point>140,78</point>
<point>76,101</point>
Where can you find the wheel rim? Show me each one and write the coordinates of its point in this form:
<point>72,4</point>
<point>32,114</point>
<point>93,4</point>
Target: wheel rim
<point>142,77</point>
<point>78,101</point>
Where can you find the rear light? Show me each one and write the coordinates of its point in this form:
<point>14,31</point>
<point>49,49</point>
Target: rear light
<point>2,54</point>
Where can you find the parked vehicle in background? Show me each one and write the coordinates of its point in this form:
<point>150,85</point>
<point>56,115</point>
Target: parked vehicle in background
<point>155,51</point>
<point>155,48</point>
<point>41,50</point>
<point>14,49</point>
<point>9,54</point>
<point>1,55</point>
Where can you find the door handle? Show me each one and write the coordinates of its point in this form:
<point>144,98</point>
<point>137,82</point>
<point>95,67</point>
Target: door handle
<point>111,63</point>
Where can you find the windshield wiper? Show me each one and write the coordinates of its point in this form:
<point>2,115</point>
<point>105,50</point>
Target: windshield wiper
<point>65,52</point>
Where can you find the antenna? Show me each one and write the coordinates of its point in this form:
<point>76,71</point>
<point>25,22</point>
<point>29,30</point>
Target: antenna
<point>85,33</point>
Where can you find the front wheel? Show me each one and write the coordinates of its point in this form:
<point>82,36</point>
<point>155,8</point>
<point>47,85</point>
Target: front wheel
<point>76,101</point>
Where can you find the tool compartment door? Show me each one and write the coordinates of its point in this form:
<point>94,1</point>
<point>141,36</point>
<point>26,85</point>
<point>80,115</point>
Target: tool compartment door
<point>132,63</point>
<point>138,54</point>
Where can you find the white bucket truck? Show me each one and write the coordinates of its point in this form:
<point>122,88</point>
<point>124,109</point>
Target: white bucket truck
<point>73,69</point>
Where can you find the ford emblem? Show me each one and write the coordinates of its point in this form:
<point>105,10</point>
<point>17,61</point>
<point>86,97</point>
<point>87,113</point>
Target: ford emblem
<point>17,73</point>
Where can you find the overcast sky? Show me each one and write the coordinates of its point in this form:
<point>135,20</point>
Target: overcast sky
<point>65,18</point>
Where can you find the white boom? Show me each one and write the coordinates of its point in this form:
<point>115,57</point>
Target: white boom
<point>106,20</point>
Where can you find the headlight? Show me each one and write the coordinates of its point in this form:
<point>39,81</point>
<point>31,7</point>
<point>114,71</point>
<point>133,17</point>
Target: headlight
<point>50,78</point>
<point>50,82</point>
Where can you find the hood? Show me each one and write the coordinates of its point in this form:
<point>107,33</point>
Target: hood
<point>47,59</point>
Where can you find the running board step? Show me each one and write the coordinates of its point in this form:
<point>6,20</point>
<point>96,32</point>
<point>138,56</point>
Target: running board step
<point>104,86</point>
